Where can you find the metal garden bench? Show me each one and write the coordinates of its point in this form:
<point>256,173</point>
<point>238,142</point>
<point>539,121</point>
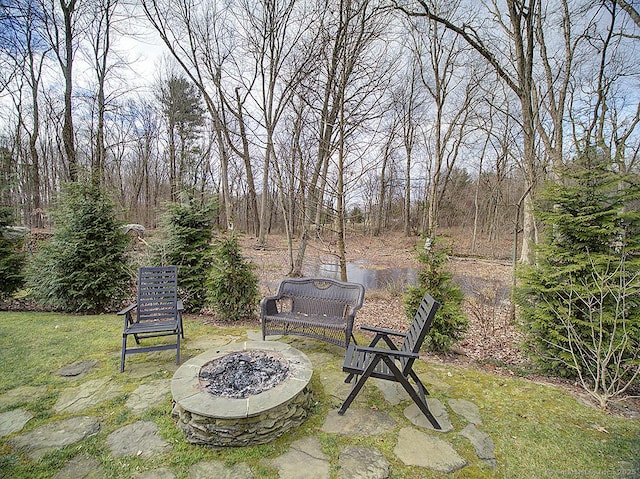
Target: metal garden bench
<point>393,363</point>
<point>319,308</point>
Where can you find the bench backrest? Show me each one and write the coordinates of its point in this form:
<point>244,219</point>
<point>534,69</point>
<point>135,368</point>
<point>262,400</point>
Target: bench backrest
<point>419,329</point>
<point>157,293</point>
<point>322,296</point>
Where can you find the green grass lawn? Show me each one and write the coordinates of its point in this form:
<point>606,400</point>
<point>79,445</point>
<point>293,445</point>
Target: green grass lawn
<point>539,431</point>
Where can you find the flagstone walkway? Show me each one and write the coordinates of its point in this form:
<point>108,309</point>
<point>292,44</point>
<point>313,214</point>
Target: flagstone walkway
<point>416,442</point>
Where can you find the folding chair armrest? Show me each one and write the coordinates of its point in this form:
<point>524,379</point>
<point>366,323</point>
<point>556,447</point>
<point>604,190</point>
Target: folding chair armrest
<point>128,309</point>
<point>180,306</point>
<point>387,352</point>
<point>383,331</point>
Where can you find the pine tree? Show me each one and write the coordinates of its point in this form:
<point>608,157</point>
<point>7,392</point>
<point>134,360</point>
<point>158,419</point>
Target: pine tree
<point>84,267</point>
<point>583,281</point>
<point>233,285</point>
<point>12,260</point>
<point>186,234</point>
<point>450,323</point>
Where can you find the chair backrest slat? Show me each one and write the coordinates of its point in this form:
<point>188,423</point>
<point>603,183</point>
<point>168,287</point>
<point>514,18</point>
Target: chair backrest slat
<point>157,293</point>
<point>419,329</point>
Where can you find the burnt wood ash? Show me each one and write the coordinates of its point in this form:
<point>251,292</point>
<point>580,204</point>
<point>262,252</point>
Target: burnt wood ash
<point>240,375</point>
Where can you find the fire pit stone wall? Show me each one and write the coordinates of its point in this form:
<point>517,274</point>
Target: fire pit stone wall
<point>223,421</point>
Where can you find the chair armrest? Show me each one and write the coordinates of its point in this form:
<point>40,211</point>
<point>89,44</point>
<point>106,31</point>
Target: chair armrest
<point>128,309</point>
<point>180,306</point>
<point>384,331</point>
<point>269,305</point>
<point>386,352</point>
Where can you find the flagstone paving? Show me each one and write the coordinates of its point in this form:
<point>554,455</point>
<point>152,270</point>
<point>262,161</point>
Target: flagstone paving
<point>77,369</point>
<point>55,435</point>
<point>413,444</point>
<point>138,439</point>
<point>360,462</point>
<point>148,395</point>
<point>82,466</point>
<point>466,409</point>
<point>86,395</point>
<point>413,414</point>
<point>217,469</point>
<point>304,460</point>
<point>417,443</point>
<point>13,421</point>
<point>160,473</point>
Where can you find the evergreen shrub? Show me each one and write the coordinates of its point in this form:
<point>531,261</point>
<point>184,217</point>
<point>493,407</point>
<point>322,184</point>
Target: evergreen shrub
<point>233,284</point>
<point>84,267</point>
<point>450,323</point>
<point>580,302</point>
<point>12,259</point>
<point>186,232</point>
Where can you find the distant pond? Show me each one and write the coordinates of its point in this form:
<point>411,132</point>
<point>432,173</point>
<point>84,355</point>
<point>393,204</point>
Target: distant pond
<point>365,272</point>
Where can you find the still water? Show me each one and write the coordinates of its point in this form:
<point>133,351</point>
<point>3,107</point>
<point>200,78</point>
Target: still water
<point>367,273</point>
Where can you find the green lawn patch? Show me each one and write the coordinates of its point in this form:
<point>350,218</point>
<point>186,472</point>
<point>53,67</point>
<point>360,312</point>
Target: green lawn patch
<point>539,431</point>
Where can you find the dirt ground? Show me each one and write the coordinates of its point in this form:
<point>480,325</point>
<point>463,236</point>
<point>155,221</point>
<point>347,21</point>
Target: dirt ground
<point>485,281</point>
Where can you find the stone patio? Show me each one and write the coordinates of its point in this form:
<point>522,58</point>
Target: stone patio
<point>416,443</point>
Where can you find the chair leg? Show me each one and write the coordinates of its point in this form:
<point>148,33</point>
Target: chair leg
<point>421,402</point>
<point>421,389</point>
<point>359,384</point>
<point>178,348</point>
<point>123,353</point>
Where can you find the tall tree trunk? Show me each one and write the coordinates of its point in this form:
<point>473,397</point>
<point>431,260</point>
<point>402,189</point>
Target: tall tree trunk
<point>246,157</point>
<point>67,68</point>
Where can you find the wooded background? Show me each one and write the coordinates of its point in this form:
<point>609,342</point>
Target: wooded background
<point>305,116</point>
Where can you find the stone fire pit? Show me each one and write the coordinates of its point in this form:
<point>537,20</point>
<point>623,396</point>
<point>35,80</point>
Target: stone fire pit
<point>221,420</point>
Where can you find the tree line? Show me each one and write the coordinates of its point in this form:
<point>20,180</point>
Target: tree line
<point>306,116</point>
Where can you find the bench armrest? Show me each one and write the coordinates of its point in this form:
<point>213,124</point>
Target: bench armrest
<point>269,305</point>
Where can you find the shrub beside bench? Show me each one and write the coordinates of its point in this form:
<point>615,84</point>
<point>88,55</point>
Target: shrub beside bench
<point>319,308</point>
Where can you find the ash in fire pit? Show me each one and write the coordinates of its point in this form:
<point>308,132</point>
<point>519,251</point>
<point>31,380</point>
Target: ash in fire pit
<point>242,374</point>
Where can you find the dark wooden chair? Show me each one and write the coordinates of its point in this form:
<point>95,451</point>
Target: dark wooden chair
<point>392,363</point>
<point>158,312</point>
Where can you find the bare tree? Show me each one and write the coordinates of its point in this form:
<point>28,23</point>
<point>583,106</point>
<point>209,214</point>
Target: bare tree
<point>349,79</point>
<point>452,91</point>
<point>104,19</point>
<point>519,28</point>
<point>630,9</point>
<point>408,103</point>
<point>26,51</point>
<point>63,27</point>
<point>189,32</point>
<point>275,30</point>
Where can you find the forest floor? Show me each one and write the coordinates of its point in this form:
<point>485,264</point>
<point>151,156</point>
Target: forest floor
<point>494,340</point>
<point>492,336</point>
